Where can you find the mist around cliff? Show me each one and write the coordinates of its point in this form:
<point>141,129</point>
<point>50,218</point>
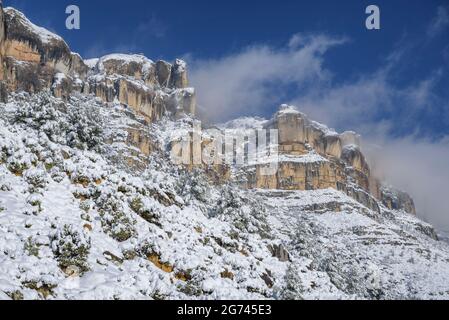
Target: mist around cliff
<point>255,80</point>
<point>419,167</point>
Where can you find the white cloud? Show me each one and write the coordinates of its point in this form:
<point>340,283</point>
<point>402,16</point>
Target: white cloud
<point>439,23</point>
<point>240,84</point>
<point>152,27</point>
<point>243,82</point>
<point>413,164</point>
<point>348,105</point>
<point>420,167</point>
<point>361,104</point>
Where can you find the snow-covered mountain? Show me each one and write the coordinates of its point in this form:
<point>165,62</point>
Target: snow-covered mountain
<point>93,207</point>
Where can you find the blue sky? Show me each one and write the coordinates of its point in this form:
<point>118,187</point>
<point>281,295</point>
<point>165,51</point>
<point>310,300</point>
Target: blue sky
<point>247,57</point>
<point>213,30</point>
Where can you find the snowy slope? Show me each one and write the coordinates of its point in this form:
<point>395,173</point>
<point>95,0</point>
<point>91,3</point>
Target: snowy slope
<point>83,215</point>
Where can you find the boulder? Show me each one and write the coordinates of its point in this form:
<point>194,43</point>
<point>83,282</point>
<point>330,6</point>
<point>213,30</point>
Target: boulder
<point>278,251</point>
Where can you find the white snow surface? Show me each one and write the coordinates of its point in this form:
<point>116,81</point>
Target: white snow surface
<point>91,63</point>
<point>141,228</point>
<point>45,35</point>
<point>247,123</point>
<point>244,123</point>
<point>146,63</point>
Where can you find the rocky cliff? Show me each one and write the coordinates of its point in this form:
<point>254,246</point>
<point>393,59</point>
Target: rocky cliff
<point>311,156</point>
<point>33,59</point>
<point>93,207</point>
<point>85,215</point>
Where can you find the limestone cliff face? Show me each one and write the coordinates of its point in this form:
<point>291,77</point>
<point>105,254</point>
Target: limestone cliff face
<point>311,155</point>
<point>178,77</point>
<point>141,84</point>
<point>314,157</point>
<point>33,59</point>
<point>394,199</point>
<point>3,88</point>
<point>31,55</point>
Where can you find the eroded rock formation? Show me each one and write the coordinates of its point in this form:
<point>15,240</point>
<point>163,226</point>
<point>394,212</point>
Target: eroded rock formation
<point>33,59</point>
<point>311,155</point>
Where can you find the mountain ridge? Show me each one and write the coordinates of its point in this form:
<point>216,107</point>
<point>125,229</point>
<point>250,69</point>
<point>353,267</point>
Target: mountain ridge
<point>92,205</point>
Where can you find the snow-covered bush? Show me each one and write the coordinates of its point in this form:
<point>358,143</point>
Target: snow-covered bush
<point>35,200</point>
<point>31,247</point>
<point>85,126</point>
<point>36,178</point>
<point>193,186</point>
<point>76,123</point>
<point>71,248</point>
<point>294,288</point>
<point>146,209</point>
<point>115,221</point>
<point>16,156</point>
<point>246,213</point>
<point>44,114</point>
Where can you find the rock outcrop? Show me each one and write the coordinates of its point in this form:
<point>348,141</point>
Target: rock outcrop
<point>311,156</point>
<point>178,78</point>
<point>397,200</point>
<point>139,83</point>
<point>31,55</point>
<point>33,59</point>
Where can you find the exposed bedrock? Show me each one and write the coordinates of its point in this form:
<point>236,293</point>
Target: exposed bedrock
<point>33,59</point>
<point>312,156</point>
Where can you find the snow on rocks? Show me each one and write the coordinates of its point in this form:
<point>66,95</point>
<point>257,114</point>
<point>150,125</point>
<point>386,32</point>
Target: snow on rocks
<point>125,232</point>
<point>78,221</point>
<point>119,62</point>
<point>91,63</point>
<point>44,35</point>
